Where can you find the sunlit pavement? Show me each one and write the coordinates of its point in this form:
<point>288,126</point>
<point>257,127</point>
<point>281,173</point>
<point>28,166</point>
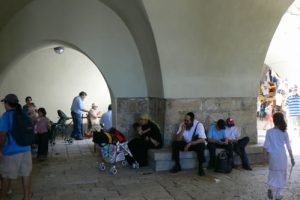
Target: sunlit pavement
<point>71,173</point>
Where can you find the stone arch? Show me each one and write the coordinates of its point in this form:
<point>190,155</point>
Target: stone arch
<point>89,26</point>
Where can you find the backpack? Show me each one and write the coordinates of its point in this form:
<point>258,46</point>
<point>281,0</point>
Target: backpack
<point>223,162</point>
<point>22,129</point>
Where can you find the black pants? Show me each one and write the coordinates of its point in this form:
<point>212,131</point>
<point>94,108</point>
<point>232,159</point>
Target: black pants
<point>43,144</point>
<point>212,152</point>
<point>239,148</point>
<point>178,146</point>
<point>139,149</point>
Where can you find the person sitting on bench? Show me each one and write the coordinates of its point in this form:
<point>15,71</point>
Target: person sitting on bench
<point>233,134</point>
<point>217,139</point>
<point>189,137</point>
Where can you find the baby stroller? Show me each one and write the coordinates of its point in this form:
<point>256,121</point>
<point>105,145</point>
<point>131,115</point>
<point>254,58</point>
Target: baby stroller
<point>113,148</point>
<point>60,128</point>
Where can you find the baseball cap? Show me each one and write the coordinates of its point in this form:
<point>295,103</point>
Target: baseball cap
<point>10,98</point>
<point>230,122</point>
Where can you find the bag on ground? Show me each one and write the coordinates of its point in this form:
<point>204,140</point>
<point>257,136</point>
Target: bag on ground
<point>223,162</point>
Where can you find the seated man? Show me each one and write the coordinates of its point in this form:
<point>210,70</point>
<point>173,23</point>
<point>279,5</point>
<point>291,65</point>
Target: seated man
<point>190,137</point>
<point>217,139</point>
<point>233,134</point>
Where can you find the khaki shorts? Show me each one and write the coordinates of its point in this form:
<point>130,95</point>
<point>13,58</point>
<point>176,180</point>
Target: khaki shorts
<point>16,165</point>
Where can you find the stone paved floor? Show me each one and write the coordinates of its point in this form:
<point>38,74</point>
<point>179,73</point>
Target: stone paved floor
<point>71,173</point>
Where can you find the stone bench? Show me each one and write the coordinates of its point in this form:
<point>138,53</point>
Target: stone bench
<point>161,159</point>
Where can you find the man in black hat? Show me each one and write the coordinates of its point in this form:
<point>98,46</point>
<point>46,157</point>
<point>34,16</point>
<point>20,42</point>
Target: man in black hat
<point>15,159</point>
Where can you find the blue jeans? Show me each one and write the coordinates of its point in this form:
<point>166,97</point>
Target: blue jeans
<point>77,127</point>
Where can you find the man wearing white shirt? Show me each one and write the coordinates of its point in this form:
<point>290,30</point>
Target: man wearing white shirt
<point>189,137</point>
<point>233,134</point>
<point>106,119</point>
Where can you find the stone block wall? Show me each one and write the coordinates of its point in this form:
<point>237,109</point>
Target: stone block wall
<point>208,110</point>
<point>129,109</point>
<point>168,113</point>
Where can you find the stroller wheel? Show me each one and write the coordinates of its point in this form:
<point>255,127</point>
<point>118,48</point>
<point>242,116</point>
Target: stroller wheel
<point>135,165</point>
<point>101,167</point>
<point>124,163</point>
<point>113,170</point>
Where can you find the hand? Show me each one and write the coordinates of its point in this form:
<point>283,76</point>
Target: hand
<point>147,138</point>
<point>187,146</point>
<point>182,125</point>
<point>293,162</point>
<point>140,131</point>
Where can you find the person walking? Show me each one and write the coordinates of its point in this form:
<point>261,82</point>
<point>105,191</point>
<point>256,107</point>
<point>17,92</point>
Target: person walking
<point>293,111</point>
<point>276,140</point>
<point>15,159</point>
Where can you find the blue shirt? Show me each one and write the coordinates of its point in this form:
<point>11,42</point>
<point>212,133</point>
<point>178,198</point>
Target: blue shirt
<point>106,120</point>
<point>293,105</point>
<point>77,105</point>
<point>216,134</point>
<point>10,145</point>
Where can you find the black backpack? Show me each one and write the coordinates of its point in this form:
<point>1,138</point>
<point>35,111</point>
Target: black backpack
<point>22,129</point>
<point>223,162</point>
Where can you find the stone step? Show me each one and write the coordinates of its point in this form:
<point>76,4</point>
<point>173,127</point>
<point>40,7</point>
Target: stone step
<point>161,159</point>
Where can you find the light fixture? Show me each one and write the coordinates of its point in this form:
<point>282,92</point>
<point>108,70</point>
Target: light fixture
<point>59,50</point>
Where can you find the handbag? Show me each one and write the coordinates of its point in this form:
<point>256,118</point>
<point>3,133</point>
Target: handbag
<point>195,137</point>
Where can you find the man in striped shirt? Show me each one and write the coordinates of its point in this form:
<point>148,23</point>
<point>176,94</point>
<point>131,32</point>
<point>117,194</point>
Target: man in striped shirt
<point>293,110</point>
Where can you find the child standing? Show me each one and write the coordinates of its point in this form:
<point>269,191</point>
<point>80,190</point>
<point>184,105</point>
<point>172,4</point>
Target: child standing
<point>42,127</point>
<point>276,139</point>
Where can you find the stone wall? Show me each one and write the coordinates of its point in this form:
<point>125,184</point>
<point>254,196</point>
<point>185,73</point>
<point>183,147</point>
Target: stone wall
<point>208,110</point>
<point>129,109</point>
<point>168,113</point>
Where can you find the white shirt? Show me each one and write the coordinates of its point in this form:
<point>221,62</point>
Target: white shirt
<point>188,134</point>
<point>232,133</point>
<point>106,120</point>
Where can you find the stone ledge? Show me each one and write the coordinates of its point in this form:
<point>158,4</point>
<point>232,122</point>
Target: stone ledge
<point>161,159</point>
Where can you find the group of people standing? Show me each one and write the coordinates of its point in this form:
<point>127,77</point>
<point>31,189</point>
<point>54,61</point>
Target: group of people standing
<point>93,115</point>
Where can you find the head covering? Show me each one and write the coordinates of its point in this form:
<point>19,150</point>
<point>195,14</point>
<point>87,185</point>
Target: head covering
<point>145,116</point>
<point>230,122</point>
<point>94,105</point>
<point>10,98</point>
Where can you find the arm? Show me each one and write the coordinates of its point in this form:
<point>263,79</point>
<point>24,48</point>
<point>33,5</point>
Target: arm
<point>287,140</point>
<point>291,156</point>
<point>179,134</point>
<point>2,140</point>
<point>81,106</point>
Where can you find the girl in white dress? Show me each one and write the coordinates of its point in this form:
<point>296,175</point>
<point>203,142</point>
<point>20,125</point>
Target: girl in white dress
<point>276,140</point>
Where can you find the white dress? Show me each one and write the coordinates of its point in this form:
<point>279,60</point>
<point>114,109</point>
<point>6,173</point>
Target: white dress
<point>275,145</point>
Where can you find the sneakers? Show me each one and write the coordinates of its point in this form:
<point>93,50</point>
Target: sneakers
<point>270,194</point>
<point>175,169</point>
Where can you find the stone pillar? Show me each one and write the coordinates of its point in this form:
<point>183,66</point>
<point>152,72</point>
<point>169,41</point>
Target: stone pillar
<point>129,109</point>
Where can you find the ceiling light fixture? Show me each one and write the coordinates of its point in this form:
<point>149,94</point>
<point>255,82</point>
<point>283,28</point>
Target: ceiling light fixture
<point>59,50</point>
